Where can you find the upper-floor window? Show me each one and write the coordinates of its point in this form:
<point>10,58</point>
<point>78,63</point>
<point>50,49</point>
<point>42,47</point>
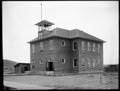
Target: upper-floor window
<point>83,45</point>
<point>74,45</point>
<point>94,62</point>
<point>41,45</point>
<point>74,62</point>
<point>40,35</point>
<point>83,62</point>
<point>63,43</point>
<point>33,48</point>
<point>88,46</point>
<point>93,46</point>
<point>98,48</point>
<point>51,45</point>
<point>63,60</point>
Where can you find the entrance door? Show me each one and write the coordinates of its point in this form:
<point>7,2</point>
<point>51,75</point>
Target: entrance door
<point>49,66</point>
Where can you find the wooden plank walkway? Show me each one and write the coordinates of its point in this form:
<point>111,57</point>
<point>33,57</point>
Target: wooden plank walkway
<point>25,86</point>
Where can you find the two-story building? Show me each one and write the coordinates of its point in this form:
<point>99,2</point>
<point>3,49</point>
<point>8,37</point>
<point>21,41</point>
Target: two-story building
<point>65,51</point>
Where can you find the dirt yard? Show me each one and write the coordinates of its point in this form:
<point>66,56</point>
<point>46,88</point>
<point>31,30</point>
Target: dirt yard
<point>83,81</point>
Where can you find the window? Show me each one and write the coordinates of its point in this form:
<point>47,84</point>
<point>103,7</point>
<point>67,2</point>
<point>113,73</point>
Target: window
<point>74,62</point>
<point>63,60</point>
<point>33,66</point>
<point>40,35</point>
<point>88,61</point>
<point>88,46</point>
<point>94,62</point>
<point>41,45</point>
<point>63,43</point>
<point>40,61</point>
<point>51,45</point>
<point>33,48</point>
<point>74,45</point>
<point>98,48</point>
<point>83,45</point>
<point>98,62</point>
<point>83,62</point>
<point>50,60</point>
<point>94,47</point>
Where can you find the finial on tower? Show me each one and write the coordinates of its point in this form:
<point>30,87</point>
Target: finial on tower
<point>41,11</point>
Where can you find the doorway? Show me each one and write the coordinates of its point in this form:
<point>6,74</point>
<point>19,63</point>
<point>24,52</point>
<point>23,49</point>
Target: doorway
<point>49,66</point>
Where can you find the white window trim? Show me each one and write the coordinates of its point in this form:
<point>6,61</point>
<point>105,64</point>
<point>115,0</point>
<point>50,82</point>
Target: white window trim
<point>64,60</point>
<point>73,45</point>
<point>63,42</point>
<point>83,45</point>
<point>74,62</point>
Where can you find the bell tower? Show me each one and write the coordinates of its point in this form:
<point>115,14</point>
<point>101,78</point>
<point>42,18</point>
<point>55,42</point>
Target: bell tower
<point>43,26</point>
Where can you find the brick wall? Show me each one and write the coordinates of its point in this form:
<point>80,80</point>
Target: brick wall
<point>58,52</point>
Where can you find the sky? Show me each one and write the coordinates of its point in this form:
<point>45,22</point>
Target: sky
<point>98,18</point>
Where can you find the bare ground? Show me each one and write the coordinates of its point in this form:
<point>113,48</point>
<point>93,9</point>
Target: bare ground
<point>83,81</point>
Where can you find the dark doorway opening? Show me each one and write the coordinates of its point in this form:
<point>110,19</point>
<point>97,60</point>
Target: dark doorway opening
<point>26,68</point>
<point>49,66</point>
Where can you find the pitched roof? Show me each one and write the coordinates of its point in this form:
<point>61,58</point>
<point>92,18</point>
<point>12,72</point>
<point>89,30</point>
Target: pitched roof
<point>44,22</point>
<point>70,34</point>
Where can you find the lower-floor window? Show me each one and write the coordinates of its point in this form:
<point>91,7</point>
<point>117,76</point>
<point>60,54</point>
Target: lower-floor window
<point>74,62</point>
<point>94,62</point>
<point>33,66</point>
<point>41,61</point>
<point>98,62</point>
<point>83,62</point>
<point>63,60</point>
